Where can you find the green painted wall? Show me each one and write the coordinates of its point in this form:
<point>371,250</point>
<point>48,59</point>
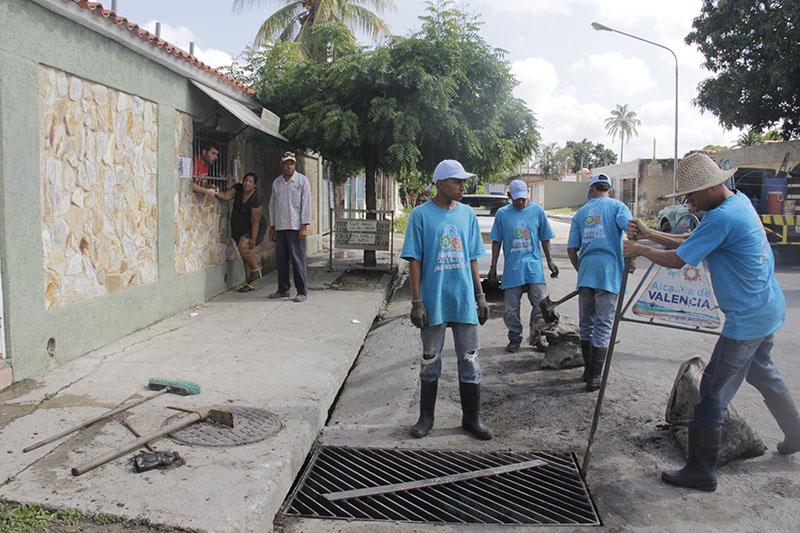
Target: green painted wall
<point>31,35</point>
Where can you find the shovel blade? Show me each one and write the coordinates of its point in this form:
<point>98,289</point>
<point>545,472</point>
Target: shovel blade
<point>221,417</point>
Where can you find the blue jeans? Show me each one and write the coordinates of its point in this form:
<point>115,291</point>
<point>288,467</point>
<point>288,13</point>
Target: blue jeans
<point>290,251</point>
<point>465,339</point>
<point>597,308</point>
<point>513,296</point>
<point>731,363</point>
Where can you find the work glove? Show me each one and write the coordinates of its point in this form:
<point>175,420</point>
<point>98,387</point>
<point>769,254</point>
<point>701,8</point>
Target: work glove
<point>492,276</point>
<point>419,317</point>
<point>553,269</point>
<point>483,308</point>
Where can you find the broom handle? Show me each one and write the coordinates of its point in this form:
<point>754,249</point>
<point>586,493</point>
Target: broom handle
<point>107,414</point>
<point>599,405</point>
<point>141,441</point>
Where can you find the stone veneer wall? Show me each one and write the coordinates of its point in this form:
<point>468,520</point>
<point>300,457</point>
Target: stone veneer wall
<point>202,235</point>
<point>98,164</point>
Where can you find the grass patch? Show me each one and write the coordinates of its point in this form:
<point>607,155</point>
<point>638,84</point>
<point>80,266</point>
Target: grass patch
<point>34,518</point>
<point>564,210</point>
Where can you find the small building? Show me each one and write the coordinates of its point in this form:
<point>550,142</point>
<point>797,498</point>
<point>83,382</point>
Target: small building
<point>100,232</point>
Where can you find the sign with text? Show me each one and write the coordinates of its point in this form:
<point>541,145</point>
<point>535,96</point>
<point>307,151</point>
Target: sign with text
<point>680,296</point>
<point>356,234</point>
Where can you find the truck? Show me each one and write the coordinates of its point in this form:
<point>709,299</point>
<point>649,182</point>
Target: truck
<point>775,195</point>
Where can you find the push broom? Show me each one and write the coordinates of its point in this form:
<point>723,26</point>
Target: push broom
<point>184,388</point>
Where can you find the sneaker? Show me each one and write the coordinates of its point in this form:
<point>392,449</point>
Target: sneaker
<point>300,298</point>
<point>255,275</point>
<point>247,288</point>
<point>513,346</point>
<point>278,294</point>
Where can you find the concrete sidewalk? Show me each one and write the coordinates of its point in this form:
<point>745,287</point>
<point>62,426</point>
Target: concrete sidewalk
<point>243,350</point>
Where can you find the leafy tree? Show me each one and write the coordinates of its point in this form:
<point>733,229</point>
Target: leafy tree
<point>298,18</point>
<point>715,147</point>
<point>553,160</point>
<point>402,107</point>
<point>749,138</point>
<point>751,48</point>
<point>622,122</point>
<point>586,154</point>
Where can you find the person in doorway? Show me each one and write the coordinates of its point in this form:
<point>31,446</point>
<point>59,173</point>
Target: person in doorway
<point>289,218</point>
<point>595,251</point>
<point>442,245</point>
<point>200,167</point>
<point>248,225</point>
<point>521,228</point>
<point>733,241</point>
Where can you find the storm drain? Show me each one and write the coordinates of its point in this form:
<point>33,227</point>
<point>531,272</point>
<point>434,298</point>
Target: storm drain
<point>250,425</point>
<point>449,487</point>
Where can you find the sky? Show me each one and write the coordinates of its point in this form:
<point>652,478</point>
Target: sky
<point>570,75</point>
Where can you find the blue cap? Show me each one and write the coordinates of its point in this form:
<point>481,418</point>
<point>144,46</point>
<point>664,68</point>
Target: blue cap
<point>450,168</point>
<point>518,189</point>
<point>600,178</point>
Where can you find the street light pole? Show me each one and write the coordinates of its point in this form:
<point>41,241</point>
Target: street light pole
<point>600,27</point>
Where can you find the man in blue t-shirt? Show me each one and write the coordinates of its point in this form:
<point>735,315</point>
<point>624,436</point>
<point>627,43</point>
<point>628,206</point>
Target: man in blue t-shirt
<point>520,228</point>
<point>442,245</point>
<point>733,242</point>
<point>595,251</point>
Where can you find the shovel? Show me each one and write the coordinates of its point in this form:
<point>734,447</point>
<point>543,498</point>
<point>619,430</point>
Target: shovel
<point>546,306</point>
<point>216,415</point>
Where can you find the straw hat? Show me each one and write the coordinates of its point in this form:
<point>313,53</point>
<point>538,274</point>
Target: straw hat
<point>698,172</point>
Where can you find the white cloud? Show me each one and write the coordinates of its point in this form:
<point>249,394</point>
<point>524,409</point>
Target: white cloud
<point>613,73</point>
<point>181,36</point>
<point>537,79</point>
<point>520,8</point>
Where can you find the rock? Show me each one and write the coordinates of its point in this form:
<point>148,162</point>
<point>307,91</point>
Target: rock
<point>739,439</point>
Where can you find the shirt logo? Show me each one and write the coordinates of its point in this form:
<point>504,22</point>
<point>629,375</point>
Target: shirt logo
<point>592,226</point>
<point>522,238</point>
<point>451,255</point>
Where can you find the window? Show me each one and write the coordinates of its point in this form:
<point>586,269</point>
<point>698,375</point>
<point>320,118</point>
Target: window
<point>210,157</point>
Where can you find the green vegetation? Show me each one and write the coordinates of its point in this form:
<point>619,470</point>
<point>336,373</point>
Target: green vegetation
<point>751,50</point>
<point>622,122</point>
<point>401,223</point>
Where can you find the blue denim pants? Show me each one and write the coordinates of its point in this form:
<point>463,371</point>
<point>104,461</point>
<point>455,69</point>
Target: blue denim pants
<point>465,340</point>
<point>597,308</point>
<point>513,297</point>
<point>731,363</point>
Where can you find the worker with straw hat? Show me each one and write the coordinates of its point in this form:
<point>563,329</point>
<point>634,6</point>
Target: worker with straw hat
<point>733,242</point>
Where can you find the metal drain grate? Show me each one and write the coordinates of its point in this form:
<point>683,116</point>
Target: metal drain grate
<point>250,425</point>
<point>434,486</point>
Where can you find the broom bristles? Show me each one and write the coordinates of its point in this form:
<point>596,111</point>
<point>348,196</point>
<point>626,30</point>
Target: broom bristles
<point>186,388</point>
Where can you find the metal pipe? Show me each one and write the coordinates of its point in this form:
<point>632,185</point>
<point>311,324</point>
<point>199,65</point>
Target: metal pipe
<point>191,48</point>
<point>114,6</point>
<point>158,29</point>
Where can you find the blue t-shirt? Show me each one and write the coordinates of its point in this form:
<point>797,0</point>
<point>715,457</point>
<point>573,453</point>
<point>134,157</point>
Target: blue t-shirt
<point>597,230</point>
<point>445,241</point>
<point>741,266</point>
<point>521,232</point>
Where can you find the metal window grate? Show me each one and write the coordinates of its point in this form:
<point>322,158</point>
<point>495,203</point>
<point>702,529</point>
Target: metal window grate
<point>550,494</point>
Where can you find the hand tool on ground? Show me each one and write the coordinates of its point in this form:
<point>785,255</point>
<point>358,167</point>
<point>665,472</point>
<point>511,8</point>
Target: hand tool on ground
<point>163,386</point>
<point>601,393</point>
<point>216,415</point>
<point>546,306</point>
<point>132,429</point>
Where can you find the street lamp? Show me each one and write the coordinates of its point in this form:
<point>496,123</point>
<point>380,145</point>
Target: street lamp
<point>600,27</point>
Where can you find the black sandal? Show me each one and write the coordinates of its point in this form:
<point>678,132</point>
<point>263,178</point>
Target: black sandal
<point>247,288</point>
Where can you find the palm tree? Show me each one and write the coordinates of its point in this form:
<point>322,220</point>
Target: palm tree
<point>622,122</point>
<point>749,138</point>
<point>297,19</point>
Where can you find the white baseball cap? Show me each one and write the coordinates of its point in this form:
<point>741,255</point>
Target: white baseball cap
<point>450,168</point>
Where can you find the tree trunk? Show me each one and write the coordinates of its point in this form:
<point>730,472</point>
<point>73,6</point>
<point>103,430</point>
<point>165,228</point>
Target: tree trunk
<point>370,195</point>
<point>621,144</point>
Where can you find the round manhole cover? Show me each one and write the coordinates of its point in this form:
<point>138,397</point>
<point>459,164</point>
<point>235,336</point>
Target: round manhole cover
<point>249,425</point>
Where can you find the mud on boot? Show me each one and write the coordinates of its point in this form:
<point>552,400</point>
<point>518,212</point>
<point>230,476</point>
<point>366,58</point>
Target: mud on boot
<point>784,410</point>
<point>427,405</point>
<point>470,407</point>
<point>700,471</point>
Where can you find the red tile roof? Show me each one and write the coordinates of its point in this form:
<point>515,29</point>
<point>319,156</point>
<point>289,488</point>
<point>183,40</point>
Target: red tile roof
<point>140,33</point>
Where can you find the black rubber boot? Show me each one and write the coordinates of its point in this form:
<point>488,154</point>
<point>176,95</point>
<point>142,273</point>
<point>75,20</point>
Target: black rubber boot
<point>700,471</point>
<point>594,375</point>
<point>471,407</point>
<point>586,352</point>
<point>785,412</point>
<point>427,405</point>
